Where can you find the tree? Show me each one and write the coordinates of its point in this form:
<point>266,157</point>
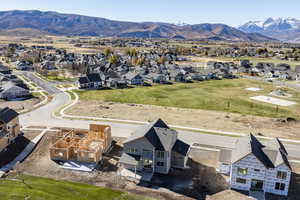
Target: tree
<point>113,59</point>
<point>108,51</point>
<point>261,51</point>
<point>141,60</point>
<point>133,52</point>
<point>127,51</point>
<point>162,60</point>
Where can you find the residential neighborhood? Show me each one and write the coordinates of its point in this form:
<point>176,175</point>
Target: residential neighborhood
<point>149,100</point>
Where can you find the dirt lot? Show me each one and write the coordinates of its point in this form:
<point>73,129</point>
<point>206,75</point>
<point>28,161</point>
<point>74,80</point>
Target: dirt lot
<point>189,117</point>
<point>39,164</point>
<point>20,105</point>
<point>196,182</point>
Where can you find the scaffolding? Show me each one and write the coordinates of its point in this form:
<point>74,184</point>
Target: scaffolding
<point>81,145</point>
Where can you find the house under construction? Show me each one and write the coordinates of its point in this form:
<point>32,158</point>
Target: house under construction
<point>81,145</point>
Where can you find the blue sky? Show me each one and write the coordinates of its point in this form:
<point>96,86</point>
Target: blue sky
<point>231,12</point>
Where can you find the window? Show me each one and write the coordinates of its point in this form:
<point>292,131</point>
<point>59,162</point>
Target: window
<point>161,164</point>
<point>160,154</point>
<point>147,163</point>
<point>280,186</point>
<point>242,171</point>
<point>257,170</point>
<point>281,175</point>
<point>241,180</point>
<point>132,150</point>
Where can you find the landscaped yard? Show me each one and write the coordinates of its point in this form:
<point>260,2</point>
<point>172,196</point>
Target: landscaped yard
<point>48,189</point>
<point>224,95</point>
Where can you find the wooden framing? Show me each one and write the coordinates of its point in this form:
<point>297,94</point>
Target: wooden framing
<point>81,145</point>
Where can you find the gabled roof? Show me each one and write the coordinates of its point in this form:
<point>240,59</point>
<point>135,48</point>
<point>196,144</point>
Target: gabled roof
<point>94,77</point>
<point>131,75</point>
<point>181,147</point>
<point>83,80</point>
<point>4,68</point>
<point>277,153</point>
<point>157,133</point>
<point>129,159</point>
<point>7,114</point>
<point>272,155</point>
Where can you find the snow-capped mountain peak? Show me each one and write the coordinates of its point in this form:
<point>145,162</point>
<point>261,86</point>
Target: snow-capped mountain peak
<point>271,24</point>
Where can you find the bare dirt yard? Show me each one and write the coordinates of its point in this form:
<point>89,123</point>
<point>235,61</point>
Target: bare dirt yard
<point>214,120</point>
<point>39,164</point>
<point>21,105</point>
<point>197,182</point>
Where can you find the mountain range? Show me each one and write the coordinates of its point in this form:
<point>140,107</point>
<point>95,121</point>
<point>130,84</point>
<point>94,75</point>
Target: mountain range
<point>30,22</point>
<point>284,29</point>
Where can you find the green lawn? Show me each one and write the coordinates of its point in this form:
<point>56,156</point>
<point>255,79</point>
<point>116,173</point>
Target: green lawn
<point>72,95</point>
<point>38,188</point>
<point>224,95</point>
<point>58,78</point>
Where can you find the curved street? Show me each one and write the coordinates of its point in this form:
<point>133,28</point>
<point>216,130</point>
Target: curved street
<point>44,116</point>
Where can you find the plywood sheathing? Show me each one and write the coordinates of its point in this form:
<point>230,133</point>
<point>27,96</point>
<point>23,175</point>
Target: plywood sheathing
<point>81,145</point>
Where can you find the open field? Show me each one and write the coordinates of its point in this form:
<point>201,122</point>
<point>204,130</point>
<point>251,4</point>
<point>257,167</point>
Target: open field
<point>30,187</point>
<point>213,120</point>
<point>225,95</point>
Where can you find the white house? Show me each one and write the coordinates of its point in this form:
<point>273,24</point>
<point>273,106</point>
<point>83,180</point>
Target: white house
<point>257,167</point>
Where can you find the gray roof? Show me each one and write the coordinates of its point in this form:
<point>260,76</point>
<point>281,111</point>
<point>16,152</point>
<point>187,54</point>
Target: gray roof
<point>271,155</point>
<point>129,159</point>
<point>132,75</point>
<point>181,147</point>
<point>12,87</point>
<point>7,114</point>
<point>157,133</point>
<point>225,155</point>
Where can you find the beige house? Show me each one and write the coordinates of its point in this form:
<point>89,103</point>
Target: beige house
<point>9,127</point>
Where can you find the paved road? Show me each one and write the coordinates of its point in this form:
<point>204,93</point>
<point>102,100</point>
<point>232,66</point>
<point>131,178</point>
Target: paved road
<point>276,82</point>
<point>43,116</point>
<point>47,86</point>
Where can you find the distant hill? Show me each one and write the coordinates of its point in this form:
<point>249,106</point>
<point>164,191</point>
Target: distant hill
<point>55,23</point>
<point>285,29</point>
<point>21,32</point>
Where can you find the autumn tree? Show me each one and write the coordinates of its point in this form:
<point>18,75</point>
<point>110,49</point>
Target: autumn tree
<point>162,60</point>
<point>113,59</point>
<point>108,51</point>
